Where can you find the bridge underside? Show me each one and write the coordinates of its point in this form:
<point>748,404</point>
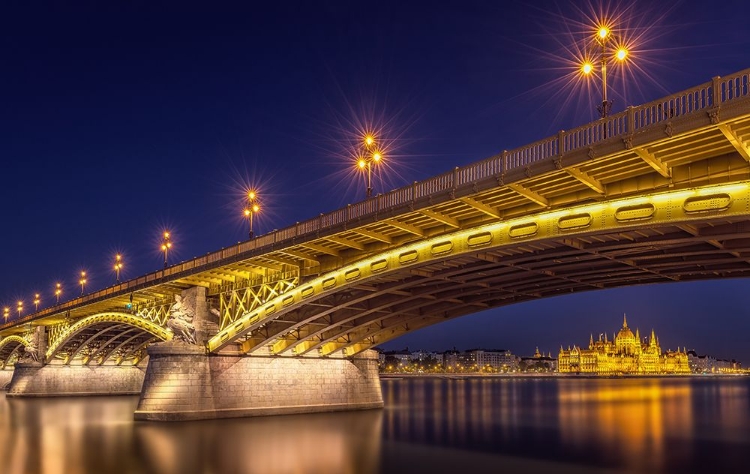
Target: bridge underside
<point>108,338</point>
<point>106,343</point>
<point>348,322</point>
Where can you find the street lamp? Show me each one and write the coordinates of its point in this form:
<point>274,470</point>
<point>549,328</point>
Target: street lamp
<point>165,246</point>
<point>58,291</point>
<point>6,313</point>
<point>20,308</point>
<point>601,51</point>
<point>118,267</point>
<point>367,156</point>
<point>36,302</point>
<point>82,282</point>
<point>252,207</point>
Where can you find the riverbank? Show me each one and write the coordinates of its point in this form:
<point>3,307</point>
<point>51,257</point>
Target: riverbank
<point>552,375</point>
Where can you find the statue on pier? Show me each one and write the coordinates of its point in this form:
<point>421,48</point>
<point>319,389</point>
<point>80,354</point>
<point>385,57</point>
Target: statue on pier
<point>31,350</point>
<point>180,320</point>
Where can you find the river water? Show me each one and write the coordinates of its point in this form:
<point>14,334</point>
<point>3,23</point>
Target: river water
<point>430,425</point>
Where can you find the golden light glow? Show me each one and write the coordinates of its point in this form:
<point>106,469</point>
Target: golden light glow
<point>603,32</point>
<point>626,353</point>
<point>621,54</point>
<point>247,212</point>
<point>166,235</point>
<point>361,163</point>
<point>256,208</point>
<point>376,157</point>
<point>369,139</point>
<point>251,194</point>
<point>587,68</point>
<point>498,235</point>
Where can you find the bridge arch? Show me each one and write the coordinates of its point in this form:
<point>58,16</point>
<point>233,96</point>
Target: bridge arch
<point>105,336</point>
<point>10,347</point>
<point>670,236</point>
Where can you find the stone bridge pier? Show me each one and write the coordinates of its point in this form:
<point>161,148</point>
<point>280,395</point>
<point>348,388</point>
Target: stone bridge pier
<point>184,382</point>
<point>5,377</point>
<point>33,378</point>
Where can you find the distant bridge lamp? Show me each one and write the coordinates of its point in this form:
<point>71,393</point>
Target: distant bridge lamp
<point>253,207</point>
<point>58,292</point>
<point>82,281</point>
<point>6,313</point>
<point>166,244</point>
<point>36,302</point>
<point>367,157</point>
<point>118,267</point>
<point>604,54</point>
<point>19,307</point>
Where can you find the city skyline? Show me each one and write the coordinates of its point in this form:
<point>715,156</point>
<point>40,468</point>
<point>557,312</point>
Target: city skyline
<point>129,149</point>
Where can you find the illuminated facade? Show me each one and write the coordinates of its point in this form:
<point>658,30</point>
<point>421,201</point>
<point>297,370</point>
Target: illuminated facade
<point>627,353</point>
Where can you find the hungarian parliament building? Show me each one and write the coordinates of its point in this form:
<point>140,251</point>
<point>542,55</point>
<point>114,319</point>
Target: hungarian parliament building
<point>626,354</point>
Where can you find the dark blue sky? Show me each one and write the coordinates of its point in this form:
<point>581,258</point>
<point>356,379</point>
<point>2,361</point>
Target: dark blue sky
<point>116,123</point>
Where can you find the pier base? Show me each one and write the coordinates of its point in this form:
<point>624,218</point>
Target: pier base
<point>37,380</point>
<point>5,376</point>
<point>183,383</point>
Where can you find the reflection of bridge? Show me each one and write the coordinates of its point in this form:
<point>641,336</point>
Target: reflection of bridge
<point>657,193</point>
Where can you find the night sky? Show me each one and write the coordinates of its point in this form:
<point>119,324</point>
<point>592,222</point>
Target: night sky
<point>118,123</point>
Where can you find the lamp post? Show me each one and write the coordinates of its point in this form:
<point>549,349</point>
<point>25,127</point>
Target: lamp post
<point>82,282</point>
<point>368,155</point>
<point>36,302</point>
<point>20,308</point>
<point>58,292</point>
<point>6,313</point>
<point>166,244</point>
<point>118,267</point>
<point>600,51</point>
<point>252,207</point>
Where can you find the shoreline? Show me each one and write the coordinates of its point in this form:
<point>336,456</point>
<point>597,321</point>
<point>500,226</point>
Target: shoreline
<point>554,375</point>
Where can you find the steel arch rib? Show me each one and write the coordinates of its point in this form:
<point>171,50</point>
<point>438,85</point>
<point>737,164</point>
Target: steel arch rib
<point>20,341</point>
<point>109,317</point>
<point>7,340</point>
<point>686,205</point>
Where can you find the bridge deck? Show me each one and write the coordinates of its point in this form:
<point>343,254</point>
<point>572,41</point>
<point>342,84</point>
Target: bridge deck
<point>696,137</point>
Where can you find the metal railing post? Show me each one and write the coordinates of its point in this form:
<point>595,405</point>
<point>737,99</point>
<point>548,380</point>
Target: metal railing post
<point>716,91</point>
<point>630,120</point>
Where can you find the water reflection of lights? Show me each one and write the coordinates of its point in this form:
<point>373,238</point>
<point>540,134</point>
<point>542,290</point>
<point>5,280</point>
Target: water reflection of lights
<point>629,415</point>
<point>97,435</point>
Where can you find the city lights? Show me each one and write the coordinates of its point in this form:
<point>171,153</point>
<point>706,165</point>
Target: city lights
<point>367,156</point>
<point>252,207</point>
<point>166,244</point>
<point>19,307</point>
<point>598,48</point>
<point>58,292</point>
<point>118,267</point>
<point>36,302</point>
<point>82,281</point>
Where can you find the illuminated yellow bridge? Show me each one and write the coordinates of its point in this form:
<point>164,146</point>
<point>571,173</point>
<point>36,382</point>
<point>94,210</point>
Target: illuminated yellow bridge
<point>657,193</point>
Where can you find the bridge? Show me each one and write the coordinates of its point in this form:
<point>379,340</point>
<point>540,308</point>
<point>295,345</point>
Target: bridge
<point>283,323</point>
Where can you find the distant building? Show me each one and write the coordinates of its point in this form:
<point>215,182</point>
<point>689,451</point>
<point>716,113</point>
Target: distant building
<point>481,360</point>
<point>538,363</point>
<point>626,354</point>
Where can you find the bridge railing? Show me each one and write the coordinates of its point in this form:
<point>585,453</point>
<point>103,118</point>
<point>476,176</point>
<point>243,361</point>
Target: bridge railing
<point>699,98</point>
